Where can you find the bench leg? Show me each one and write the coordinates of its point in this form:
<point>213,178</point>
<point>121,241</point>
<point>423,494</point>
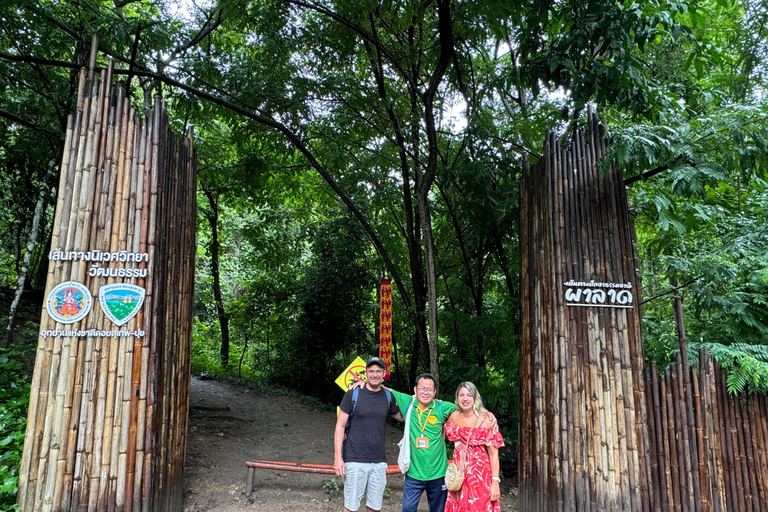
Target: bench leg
<point>249,481</point>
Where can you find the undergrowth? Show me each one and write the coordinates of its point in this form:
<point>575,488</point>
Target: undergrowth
<point>15,377</point>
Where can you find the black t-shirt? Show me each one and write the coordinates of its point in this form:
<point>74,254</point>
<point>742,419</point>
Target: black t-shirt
<point>365,440</point>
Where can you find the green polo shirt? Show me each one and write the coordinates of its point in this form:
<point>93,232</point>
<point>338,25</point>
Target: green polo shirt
<point>426,463</point>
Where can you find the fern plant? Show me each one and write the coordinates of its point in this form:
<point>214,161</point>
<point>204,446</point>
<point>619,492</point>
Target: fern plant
<point>747,365</point>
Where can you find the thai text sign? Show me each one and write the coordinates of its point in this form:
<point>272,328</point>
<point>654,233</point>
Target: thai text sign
<point>597,294</point>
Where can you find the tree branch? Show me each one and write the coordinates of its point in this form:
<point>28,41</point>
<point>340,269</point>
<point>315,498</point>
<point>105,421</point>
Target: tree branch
<point>653,172</point>
<point>364,34</point>
<point>673,289</point>
<point>36,60</point>
<point>304,150</point>
<point>28,124</point>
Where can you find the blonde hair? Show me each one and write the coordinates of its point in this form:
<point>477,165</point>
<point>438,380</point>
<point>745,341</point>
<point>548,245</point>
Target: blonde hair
<point>478,408</point>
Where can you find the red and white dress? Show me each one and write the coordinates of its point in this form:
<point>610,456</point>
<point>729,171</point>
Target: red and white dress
<point>474,495</point>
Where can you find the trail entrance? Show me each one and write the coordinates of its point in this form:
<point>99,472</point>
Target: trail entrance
<point>229,425</point>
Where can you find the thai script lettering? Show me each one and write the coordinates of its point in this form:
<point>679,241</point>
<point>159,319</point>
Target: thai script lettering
<point>595,284</point>
<point>81,333</point>
<point>96,255</point>
<point>617,295</point>
<point>95,271</point>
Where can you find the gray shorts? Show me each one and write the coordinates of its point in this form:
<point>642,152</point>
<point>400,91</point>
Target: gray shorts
<point>364,478</point>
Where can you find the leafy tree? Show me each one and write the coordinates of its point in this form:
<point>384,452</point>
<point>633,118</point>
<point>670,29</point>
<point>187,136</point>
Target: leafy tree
<point>414,118</point>
<point>335,299</point>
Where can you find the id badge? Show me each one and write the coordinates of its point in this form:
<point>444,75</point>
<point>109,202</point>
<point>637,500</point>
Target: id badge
<point>422,442</point>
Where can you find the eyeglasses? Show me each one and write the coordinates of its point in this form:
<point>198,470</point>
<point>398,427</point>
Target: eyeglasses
<point>423,389</point>
<point>374,371</point>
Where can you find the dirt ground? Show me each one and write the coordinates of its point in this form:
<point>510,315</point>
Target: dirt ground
<point>229,425</point>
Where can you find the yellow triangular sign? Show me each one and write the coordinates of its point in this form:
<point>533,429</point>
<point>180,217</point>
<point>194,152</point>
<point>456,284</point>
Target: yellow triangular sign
<point>353,373</point>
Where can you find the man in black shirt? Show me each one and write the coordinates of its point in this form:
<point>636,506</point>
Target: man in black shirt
<point>358,442</point>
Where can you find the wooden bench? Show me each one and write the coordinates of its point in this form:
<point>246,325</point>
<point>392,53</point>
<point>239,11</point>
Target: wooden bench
<point>321,469</point>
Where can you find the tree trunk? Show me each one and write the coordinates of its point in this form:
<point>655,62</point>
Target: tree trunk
<point>429,247</point>
<point>213,221</point>
<point>479,306</point>
<point>30,247</point>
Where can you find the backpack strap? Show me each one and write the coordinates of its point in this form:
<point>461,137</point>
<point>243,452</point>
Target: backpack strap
<point>355,393</point>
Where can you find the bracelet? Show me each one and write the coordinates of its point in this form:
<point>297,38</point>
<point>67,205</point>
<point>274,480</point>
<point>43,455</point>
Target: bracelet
<point>496,479</point>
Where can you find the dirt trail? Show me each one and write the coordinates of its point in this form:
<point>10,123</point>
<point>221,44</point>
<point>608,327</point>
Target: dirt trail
<point>229,425</point>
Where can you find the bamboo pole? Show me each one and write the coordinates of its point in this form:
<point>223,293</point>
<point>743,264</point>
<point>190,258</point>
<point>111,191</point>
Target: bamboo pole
<point>669,469</point>
<point>730,452</point>
<point>566,496</point>
<point>682,452</point>
<point>717,441</point>
<point>554,481</point>
<point>745,438</point>
<point>710,419</point>
<point>756,440</point>
<point>763,429</point>
<point>675,442</point>
<point>702,471</point>
<point>661,468</point>
<point>737,457</point>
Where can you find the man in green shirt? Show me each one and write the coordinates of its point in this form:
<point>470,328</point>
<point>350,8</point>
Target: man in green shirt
<point>428,458</point>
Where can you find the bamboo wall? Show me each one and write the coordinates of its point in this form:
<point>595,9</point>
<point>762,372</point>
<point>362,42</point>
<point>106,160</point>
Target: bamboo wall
<point>598,431</point>
<point>708,447</point>
<point>108,411</point>
<point>583,428</point>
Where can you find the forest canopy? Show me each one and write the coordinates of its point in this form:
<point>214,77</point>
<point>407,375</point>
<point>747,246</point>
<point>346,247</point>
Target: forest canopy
<point>344,142</point>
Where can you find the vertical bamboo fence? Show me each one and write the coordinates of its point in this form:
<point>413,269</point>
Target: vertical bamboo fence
<point>108,409</point>
<point>583,428</point>
<point>598,431</point>
<point>708,448</point>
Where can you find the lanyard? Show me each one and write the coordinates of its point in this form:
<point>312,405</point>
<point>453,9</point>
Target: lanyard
<point>422,427</point>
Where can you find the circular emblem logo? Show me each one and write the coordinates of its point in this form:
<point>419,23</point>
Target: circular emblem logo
<point>432,419</point>
<point>69,302</point>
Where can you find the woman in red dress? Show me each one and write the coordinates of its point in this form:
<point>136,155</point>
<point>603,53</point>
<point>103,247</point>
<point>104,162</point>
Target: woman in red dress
<point>477,440</point>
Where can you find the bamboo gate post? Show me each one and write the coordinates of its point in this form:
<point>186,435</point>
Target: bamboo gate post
<point>598,430</point>
<point>107,419</point>
<point>584,436</point>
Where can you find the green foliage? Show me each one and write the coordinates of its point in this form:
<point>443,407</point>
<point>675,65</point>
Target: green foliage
<point>336,302</point>
<point>680,86</point>
<point>333,486</point>
<point>597,50</point>
<point>747,365</point>
<point>15,363</point>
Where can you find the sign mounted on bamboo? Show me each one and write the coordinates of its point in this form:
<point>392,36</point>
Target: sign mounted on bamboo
<point>583,428</point>
<point>106,427</point>
<point>70,301</point>
<point>602,295</point>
